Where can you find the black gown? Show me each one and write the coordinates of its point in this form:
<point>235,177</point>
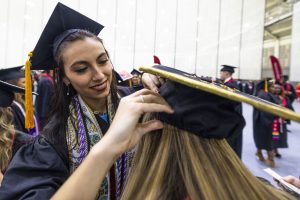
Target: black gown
<point>43,100</point>
<point>236,143</point>
<point>36,172</point>
<point>19,119</point>
<point>262,123</point>
<point>283,141</point>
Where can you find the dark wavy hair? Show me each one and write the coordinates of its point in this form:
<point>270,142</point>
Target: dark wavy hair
<point>55,130</point>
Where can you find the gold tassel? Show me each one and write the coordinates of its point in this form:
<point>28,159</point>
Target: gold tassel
<point>29,119</point>
<point>266,85</point>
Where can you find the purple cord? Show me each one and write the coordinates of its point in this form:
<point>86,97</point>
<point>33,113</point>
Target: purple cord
<point>81,130</point>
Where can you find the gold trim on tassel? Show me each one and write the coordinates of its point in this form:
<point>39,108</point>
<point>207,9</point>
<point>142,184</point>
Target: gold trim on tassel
<point>29,119</point>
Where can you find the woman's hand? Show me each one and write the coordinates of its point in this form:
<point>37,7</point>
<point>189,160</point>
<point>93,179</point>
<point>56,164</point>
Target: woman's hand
<point>152,82</point>
<point>292,180</point>
<point>125,130</point>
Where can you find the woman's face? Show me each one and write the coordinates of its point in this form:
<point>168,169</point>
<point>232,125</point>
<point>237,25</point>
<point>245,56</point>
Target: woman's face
<point>88,69</point>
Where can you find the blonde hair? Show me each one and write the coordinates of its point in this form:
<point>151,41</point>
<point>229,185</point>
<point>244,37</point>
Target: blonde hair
<point>6,137</point>
<point>174,164</point>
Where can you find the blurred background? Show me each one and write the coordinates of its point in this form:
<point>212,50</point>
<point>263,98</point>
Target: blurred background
<point>194,35</point>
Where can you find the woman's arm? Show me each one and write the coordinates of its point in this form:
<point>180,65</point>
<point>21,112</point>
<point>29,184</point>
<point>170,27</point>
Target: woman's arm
<point>123,134</point>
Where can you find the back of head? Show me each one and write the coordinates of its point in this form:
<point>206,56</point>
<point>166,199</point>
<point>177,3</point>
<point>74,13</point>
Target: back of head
<point>175,164</point>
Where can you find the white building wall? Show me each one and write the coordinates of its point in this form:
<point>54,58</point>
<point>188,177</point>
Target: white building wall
<point>192,35</point>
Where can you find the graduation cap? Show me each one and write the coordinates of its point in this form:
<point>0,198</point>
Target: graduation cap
<point>199,112</point>
<point>62,23</point>
<point>228,68</point>
<point>262,85</point>
<point>136,72</point>
<point>122,76</point>
<point>216,89</point>
<point>11,73</point>
<point>7,91</point>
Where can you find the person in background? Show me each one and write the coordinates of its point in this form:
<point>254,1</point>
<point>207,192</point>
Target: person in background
<point>298,91</point>
<point>15,76</point>
<point>45,89</point>
<point>136,80</point>
<point>279,126</point>
<point>10,138</point>
<point>289,90</point>
<point>226,76</point>
<point>263,124</point>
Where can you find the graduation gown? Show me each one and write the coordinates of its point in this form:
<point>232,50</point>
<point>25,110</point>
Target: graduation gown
<point>36,172</point>
<point>290,88</point>
<point>19,119</point>
<point>43,100</point>
<point>236,143</point>
<point>262,124</point>
<point>282,142</point>
<point>20,139</point>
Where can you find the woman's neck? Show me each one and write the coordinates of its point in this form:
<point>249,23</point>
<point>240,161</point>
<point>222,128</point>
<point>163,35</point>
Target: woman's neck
<point>97,105</point>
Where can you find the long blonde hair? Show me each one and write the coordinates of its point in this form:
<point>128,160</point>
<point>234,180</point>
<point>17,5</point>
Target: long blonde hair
<point>174,164</point>
<point>6,137</point>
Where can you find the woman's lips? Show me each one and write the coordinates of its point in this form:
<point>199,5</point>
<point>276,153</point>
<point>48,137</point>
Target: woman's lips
<point>100,86</point>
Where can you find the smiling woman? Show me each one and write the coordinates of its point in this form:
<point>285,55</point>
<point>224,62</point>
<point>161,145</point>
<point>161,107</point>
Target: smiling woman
<point>87,68</point>
<point>87,116</point>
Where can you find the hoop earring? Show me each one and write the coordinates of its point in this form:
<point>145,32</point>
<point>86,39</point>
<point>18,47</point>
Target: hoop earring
<point>68,90</point>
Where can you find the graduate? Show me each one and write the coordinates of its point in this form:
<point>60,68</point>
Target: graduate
<point>263,124</point>
<point>289,89</point>
<point>16,76</point>
<point>89,120</point>
<point>136,80</point>
<point>226,76</point>
<point>45,89</point>
<point>11,139</point>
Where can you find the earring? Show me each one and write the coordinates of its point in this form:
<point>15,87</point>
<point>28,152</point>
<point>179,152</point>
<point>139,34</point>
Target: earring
<point>68,90</point>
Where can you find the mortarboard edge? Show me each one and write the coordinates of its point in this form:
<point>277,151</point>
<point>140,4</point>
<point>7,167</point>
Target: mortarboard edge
<point>226,92</point>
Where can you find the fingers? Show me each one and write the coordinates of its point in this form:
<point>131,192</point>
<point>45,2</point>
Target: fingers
<point>161,80</point>
<point>289,179</point>
<point>150,98</point>
<point>150,82</point>
<point>154,107</point>
<point>149,126</point>
<point>143,92</point>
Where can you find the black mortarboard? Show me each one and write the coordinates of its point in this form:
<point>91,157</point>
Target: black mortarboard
<point>262,85</point>
<point>136,72</point>
<point>217,89</point>
<point>228,68</point>
<point>202,113</point>
<point>62,23</point>
<point>7,93</point>
<point>11,73</point>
